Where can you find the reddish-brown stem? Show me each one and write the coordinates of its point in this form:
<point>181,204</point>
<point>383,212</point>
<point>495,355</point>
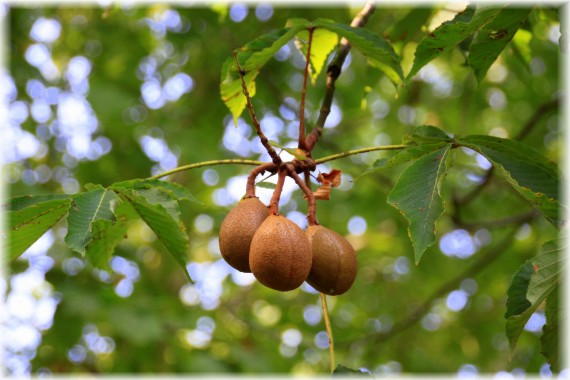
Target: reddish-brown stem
<point>250,187</point>
<point>274,203</point>
<point>304,93</point>
<point>264,141</point>
<point>312,203</point>
<point>333,72</point>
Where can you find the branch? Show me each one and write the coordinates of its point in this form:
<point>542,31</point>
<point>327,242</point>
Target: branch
<point>206,163</point>
<point>535,118</point>
<point>264,141</point>
<point>302,144</point>
<point>495,223</point>
<point>333,71</point>
<point>358,151</point>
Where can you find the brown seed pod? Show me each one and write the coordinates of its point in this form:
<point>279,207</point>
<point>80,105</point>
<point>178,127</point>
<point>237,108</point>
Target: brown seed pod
<point>334,261</point>
<point>238,229</point>
<point>280,254</point>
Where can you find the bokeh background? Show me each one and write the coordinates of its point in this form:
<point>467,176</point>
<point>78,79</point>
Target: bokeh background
<point>99,93</point>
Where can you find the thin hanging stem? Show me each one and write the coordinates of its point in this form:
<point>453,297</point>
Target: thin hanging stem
<point>328,328</point>
<point>264,141</point>
<point>302,144</point>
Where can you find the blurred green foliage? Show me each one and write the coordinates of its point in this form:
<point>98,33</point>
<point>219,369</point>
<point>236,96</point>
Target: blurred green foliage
<point>153,330</point>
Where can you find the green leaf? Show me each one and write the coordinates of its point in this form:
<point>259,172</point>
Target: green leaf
<point>19,203</point>
<point>417,196</point>
<point>426,134</point>
<point>163,217</point>
<point>449,34</point>
<point>252,57</point>
<point>516,295</point>
<point>30,217</point>
<point>406,155</point>
<point>531,285</point>
<point>549,340</point>
<point>493,38</point>
<point>376,49</point>
<point>266,185</point>
<point>411,24</point>
<point>529,172</point>
<point>175,190</point>
<point>341,370</point>
<point>106,234</point>
<point>548,268</point>
<point>323,42</point>
<point>296,152</point>
<point>86,208</point>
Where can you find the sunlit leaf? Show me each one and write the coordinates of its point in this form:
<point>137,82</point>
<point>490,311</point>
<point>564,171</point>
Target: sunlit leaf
<point>323,43</point>
<point>376,49</point>
<point>86,208</point>
<point>449,34</point>
<point>529,172</point>
<point>29,218</point>
<point>417,196</point>
<point>252,57</point>
<point>490,41</point>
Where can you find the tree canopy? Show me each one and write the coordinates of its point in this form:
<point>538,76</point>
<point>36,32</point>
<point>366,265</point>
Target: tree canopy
<point>443,121</point>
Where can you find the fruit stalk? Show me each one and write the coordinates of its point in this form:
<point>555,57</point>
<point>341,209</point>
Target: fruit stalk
<point>274,203</point>
<point>312,203</point>
<point>250,187</point>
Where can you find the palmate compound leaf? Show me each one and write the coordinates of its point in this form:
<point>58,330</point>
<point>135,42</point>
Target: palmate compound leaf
<point>86,208</point>
<point>29,217</point>
<point>535,282</point>
<point>530,173</point>
<point>450,34</point>
<point>490,40</point>
<point>162,214</point>
<point>417,196</point>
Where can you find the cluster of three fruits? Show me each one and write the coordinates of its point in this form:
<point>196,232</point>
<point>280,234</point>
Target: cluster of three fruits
<point>281,255</point>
